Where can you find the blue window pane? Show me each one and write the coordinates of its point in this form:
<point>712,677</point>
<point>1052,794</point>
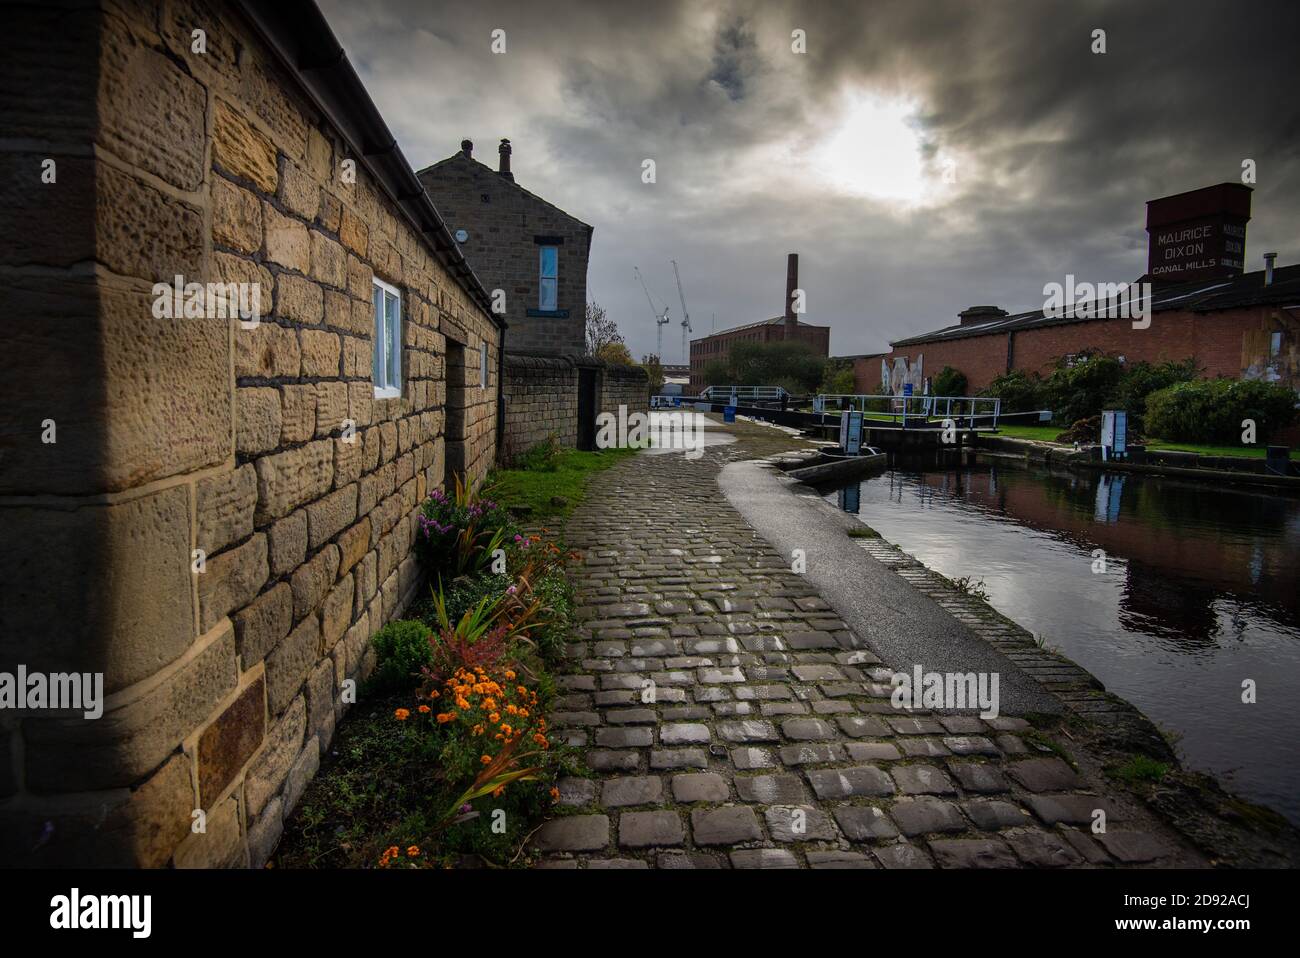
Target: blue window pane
<point>393,342</point>
<point>550,261</point>
<point>378,358</point>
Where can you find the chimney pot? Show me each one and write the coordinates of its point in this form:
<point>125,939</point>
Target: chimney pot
<point>1268,268</point>
<point>504,151</point>
<point>467,147</point>
<point>791,284</point>
<point>979,314</point>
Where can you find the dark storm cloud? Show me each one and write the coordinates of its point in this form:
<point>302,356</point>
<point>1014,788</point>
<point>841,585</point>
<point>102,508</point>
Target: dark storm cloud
<point>1056,148</point>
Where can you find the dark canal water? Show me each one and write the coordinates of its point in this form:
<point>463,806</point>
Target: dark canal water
<point>1201,592</point>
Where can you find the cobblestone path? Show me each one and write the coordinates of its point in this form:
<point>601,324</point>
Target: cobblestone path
<point>769,740</point>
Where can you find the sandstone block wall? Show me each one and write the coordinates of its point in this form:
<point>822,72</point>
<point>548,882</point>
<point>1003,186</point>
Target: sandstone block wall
<point>227,514</point>
<point>624,386</point>
<point>541,398</point>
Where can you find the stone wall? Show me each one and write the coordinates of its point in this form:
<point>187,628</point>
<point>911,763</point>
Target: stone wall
<point>541,399</point>
<point>624,386</point>
<point>207,531</point>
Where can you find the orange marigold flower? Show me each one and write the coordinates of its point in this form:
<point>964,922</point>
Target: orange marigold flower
<point>489,703</point>
<point>445,717</point>
<point>433,694</point>
<point>521,690</point>
<point>539,738</point>
<point>402,714</point>
<point>555,793</point>
<point>494,717</point>
<point>413,850</point>
<point>424,709</point>
<point>478,730</point>
<point>510,675</point>
<point>462,703</point>
<point>486,759</point>
<point>497,792</point>
<point>506,728</point>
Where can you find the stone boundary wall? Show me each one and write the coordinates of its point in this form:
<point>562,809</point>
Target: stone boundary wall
<point>625,385</point>
<point>208,531</point>
<point>541,399</point>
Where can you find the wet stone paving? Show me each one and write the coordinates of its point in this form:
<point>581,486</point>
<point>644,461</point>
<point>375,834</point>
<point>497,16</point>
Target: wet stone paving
<point>728,718</point>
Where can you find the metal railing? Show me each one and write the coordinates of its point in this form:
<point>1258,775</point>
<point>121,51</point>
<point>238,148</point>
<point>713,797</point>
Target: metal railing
<point>743,393</point>
<point>918,410</point>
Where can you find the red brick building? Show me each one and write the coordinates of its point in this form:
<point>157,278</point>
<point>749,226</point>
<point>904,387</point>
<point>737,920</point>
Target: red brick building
<point>717,347</point>
<point>1241,325</point>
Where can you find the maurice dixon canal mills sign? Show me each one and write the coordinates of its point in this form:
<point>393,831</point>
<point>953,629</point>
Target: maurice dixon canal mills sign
<point>1198,235</point>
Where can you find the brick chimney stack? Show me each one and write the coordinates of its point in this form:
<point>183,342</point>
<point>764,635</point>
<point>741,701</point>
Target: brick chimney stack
<point>467,147</point>
<point>791,284</point>
<point>504,168</point>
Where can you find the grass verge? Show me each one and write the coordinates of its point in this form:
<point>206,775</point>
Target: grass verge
<point>563,476</point>
<point>1049,434</point>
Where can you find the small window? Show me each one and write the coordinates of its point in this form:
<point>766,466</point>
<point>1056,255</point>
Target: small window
<point>1274,345</point>
<point>387,367</point>
<point>483,366</point>
<point>550,270</point>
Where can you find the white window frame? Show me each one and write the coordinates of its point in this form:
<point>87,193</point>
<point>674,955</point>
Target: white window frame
<point>386,389</point>
<point>542,278</point>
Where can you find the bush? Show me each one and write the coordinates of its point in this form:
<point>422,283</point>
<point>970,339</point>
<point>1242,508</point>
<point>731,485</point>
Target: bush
<point>1084,389</point>
<point>1018,391</point>
<point>949,382</point>
<point>459,533</point>
<point>1142,379</point>
<point>1212,410</point>
<point>403,651</point>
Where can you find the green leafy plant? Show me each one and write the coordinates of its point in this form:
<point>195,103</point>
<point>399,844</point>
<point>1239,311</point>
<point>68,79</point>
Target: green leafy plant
<point>949,382</point>
<point>402,650</point>
<point>1212,410</point>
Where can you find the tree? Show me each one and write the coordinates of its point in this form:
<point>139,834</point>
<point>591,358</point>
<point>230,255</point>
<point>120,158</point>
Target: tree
<point>837,378</point>
<point>949,382</point>
<point>655,370</point>
<point>616,354</point>
<point>601,331</point>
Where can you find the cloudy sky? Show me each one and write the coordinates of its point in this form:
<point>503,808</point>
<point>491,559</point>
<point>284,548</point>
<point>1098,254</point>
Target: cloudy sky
<point>921,156</point>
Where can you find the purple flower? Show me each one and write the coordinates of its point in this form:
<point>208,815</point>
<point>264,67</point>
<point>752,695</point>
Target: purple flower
<point>511,591</point>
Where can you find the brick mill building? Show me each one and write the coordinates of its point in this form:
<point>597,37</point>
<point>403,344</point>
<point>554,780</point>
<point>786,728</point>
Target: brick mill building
<point>214,515</point>
<point>532,257</point>
<point>783,328</point>
<point>1236,324</point>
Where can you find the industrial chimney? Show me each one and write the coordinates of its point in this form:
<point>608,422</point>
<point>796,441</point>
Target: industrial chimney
<point>467,147</point>
<point>504,168</point>
<point>791,284</point>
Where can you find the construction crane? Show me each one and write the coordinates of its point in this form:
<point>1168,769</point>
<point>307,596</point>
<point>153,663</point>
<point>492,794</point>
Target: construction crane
<point>686,316</point>
<point>661,319</point>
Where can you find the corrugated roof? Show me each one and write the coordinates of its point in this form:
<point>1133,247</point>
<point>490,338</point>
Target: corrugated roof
<point>1203,296</point>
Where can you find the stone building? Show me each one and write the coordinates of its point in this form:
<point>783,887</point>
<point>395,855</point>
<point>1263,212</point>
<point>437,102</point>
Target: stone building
<point>213,511</point>
<point>532,251</point>
<point>533,255</point>
<point>786,327</point>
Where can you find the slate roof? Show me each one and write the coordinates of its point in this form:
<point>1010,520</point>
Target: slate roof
<point>1202,296</point>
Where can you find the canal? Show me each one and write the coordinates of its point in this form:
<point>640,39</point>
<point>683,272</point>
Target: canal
<point>1200,592</point>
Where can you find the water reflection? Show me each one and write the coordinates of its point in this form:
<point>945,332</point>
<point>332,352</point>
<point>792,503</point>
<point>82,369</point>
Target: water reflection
<point>1200,590</point>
